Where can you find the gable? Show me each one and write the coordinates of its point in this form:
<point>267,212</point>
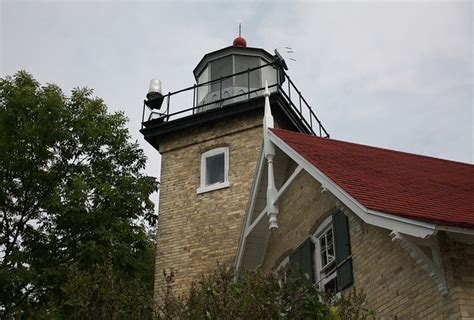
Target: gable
<point>387,189</point>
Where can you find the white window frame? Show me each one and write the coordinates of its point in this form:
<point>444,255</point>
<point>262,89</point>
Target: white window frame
<point>283,263</point>
<point>219,185</point>
<point>321,277</point>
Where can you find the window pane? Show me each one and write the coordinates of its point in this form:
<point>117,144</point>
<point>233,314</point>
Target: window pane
<point>215,169</point>
<point>322,241</point>
<point>329,235</point>
<point>331,286</point>
<point>330,254</point>
<point>220,68</point>
<point>324,259</point>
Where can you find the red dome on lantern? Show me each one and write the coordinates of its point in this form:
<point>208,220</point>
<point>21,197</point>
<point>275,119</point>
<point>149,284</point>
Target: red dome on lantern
<point>239,42</point>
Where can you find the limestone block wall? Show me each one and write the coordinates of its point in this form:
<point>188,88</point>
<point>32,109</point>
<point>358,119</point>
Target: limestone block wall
<point>395,285</point>
<point>461,256</point>
<point>195,231</point>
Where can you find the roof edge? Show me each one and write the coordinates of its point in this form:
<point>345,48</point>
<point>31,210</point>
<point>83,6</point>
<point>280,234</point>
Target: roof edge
<point>383,149</point>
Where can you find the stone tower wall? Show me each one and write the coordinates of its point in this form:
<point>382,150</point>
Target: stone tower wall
<point>196,231</point>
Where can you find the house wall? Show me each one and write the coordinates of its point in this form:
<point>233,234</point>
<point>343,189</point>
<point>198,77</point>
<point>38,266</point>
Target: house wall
<point>461,256</point>
<point>195,231</point>
<point>302,208</point>
<point>395,285</point>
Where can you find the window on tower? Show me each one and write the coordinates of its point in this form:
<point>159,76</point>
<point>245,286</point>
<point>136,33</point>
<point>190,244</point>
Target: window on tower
<point>214,170</point>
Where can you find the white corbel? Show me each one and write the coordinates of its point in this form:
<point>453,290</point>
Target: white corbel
<point>269,153</point>
<point>433,266</point>
<point>323,189</point>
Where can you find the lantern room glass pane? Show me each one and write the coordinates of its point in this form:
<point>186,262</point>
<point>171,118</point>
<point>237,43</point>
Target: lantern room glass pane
<point>203,78</point>
<point>243,63</point>
<point>221,68</point>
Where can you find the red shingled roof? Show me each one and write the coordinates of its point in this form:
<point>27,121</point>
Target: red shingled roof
<point>404,184</point>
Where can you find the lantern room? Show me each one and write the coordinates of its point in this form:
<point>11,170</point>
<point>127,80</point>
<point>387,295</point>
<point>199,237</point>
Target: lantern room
<point>229,81</point>
<point>234,74</point>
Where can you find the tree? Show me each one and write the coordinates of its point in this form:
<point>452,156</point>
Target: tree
<point>74,207</point>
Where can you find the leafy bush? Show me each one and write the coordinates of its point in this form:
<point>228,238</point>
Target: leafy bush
<point>258,295</point>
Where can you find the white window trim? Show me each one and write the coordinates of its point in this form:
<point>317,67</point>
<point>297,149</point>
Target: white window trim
<point>321,281</point>
<point>282,265</point>
<point>215,186</point>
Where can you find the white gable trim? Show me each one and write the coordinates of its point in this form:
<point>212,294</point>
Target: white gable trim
<point>411,227</point>
<point>287,183</point>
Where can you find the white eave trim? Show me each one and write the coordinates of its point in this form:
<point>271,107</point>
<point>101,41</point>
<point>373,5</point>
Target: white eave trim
<point>455,229</point>
<point>411,227</point>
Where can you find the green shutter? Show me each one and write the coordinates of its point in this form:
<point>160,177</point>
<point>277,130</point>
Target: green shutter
<point>343,250</point>
<point>303,257</point>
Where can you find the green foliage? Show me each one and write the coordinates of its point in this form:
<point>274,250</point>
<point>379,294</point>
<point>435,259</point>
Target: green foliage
<point>74,207</point>
<point>351,305</point>
<point>257,295</point>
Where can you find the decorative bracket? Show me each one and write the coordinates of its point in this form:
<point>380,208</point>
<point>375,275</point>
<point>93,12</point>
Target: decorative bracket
<point>323,189</point>
<point>434,265</point>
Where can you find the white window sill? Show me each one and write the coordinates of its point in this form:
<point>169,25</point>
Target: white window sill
<point>212,187</point>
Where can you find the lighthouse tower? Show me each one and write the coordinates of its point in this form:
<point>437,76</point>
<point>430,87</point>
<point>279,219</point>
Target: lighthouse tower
<point>209,153</point>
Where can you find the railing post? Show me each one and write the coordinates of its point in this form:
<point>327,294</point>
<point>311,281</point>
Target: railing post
<point>310,118</point>
<point>194,97</point>
<point>143,113</point>
<point>168,107</point>
<point>301,110</point>
<point>289,88</point>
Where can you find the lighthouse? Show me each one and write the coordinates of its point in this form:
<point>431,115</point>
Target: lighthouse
<point>210,148</point>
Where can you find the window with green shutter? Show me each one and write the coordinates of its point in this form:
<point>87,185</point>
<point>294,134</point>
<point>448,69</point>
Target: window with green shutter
<point>332,254</point>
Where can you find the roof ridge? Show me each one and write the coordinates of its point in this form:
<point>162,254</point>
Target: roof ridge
<point>374,147</point>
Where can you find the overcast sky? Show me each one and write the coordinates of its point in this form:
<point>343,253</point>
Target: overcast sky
<point>397,75</point>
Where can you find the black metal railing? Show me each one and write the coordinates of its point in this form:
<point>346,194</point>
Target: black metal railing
<point>289,92</point>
